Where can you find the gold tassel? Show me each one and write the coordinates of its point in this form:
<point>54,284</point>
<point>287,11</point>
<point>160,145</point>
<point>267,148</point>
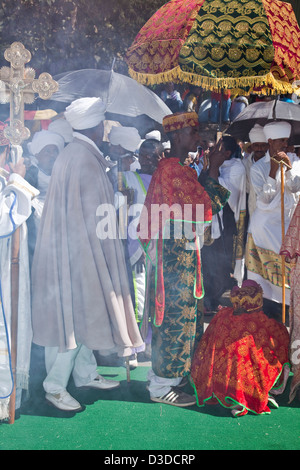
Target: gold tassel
<point>239,85</point>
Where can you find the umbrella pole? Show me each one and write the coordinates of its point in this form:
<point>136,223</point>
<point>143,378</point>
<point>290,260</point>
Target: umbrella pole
<point>219,131</point>
<point>282,236</point>
<point>120,187</point>
<point>15,249</point>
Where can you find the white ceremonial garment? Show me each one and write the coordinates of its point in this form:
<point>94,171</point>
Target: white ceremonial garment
<point>233,177</point>
<point>265,223</point>
<point>248,161</point>
<point>139,183</point>
<point>38,202</point>
<point>15,207</point>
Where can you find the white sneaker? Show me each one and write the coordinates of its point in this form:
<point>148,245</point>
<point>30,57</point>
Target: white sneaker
<point>133,362</point>
<point>102,384</point>
<point>63,401</point>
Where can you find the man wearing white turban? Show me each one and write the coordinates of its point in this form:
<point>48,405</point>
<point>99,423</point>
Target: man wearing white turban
<point>81,298</point>
<point>258,148</point>
<point>264,238</point>
<point>127,137</point>
<point>124,142</point>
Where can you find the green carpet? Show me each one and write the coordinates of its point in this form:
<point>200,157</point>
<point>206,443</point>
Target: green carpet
<point>126,419</point>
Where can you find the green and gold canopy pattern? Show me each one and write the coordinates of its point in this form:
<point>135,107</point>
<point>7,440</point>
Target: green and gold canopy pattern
<point>231,44</point>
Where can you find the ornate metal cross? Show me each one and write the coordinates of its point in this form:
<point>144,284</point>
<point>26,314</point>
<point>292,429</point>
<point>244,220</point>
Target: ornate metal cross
<point>18,86</point>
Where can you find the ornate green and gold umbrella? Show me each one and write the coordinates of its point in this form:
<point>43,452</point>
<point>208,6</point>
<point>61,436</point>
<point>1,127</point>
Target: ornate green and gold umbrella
<point>219,44</point>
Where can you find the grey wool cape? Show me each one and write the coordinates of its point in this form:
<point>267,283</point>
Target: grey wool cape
<point>80,289</point>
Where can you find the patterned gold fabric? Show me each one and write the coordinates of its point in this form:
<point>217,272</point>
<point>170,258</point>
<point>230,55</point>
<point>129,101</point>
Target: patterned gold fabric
<point>235,44</point>
<point>238,239</point>
<point>266,263</point>
<point>248,297</point>
<point>177,121</point>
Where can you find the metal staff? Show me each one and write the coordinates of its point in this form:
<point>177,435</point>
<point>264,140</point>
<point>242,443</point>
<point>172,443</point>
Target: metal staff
<point>15,251</point>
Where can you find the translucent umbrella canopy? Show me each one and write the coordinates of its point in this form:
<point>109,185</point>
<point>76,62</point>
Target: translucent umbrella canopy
<point>122,94</point>
<point>264,112</point>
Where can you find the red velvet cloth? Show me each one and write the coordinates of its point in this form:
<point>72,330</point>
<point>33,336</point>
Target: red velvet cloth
<point>238,360</point>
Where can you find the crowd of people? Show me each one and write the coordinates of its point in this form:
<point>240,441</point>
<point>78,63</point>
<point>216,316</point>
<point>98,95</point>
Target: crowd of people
<point>127,243</point>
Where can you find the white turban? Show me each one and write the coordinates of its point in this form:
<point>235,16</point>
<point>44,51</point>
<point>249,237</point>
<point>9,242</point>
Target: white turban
<point>85,113</point>
<point>257,134</point>
<point>42,139</point>
<point>277,130</point>
<point>166,145</point>
<point>63,128</point>
<point>127,137</point>
<point>155,135</point>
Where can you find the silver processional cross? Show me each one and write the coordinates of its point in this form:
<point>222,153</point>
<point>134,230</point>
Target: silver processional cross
<point>19,86</point>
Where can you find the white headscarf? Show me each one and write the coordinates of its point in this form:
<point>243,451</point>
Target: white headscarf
<point>127,137</point>
<point>155,135</point>
<point>43,138</point>
<point>257,135</point>
<point>85,113</point>
<point>63,128</point>
<point>277,130</point>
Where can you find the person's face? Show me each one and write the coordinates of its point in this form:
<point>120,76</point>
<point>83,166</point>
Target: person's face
<point>126,162</point>
<point>46,158</point>
<point>169,87</point>
<point>188,161</point>
<point>99,133</point>
<point>116,151</point>
<point>189,139</point>
<point>259,150</point>
<point>149,161</point>
<point>278,145</point>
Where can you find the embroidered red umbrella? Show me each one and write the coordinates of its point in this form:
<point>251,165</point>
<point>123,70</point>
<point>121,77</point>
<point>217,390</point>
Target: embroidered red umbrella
<point>219,44</point>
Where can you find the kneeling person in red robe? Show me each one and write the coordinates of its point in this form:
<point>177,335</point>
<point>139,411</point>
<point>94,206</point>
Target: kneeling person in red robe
<point>242,357</point>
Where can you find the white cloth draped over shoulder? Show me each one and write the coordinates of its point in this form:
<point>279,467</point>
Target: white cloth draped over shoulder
<point>79,280</point>
<point>265,222</point>
<point>15,207</point>
<point>248,162</point>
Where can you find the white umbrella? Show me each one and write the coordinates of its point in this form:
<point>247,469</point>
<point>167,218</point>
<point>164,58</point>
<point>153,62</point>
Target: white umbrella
<point>264,112</point>
<point>122,94</point>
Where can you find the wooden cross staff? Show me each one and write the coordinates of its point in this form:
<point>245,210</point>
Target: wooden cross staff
<point>18,86</point>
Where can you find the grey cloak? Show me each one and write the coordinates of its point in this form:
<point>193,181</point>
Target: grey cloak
<point>80,290</point>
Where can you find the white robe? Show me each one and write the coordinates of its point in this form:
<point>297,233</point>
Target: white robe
<point>265,223</point>
<point>248,162</point>
<point>15,207</point>
<point>139,183</point>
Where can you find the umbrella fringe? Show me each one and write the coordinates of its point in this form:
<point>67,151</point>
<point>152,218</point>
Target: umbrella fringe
<point>268,83</point>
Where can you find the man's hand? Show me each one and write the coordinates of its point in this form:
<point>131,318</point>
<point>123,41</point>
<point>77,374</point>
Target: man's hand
<point>19,167</point>
<point>275,161</point>
<point>217,156</point>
